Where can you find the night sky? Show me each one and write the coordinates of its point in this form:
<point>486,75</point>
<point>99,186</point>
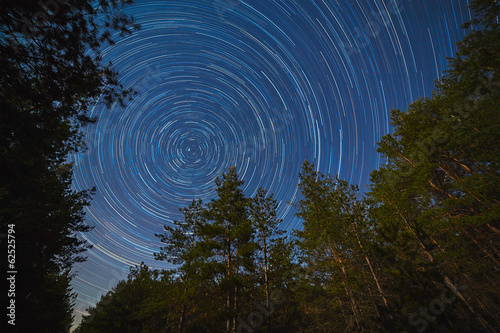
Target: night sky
<point>262,85</point>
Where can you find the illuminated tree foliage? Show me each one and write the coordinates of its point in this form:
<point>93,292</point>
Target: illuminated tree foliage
<point>230,255</point>
<point>437,198</point>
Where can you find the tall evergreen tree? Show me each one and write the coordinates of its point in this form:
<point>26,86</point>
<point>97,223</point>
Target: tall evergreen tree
<point>335,249</point>
<point>214,245</point>
<point>228,237</point>
<point>262,214</point>
<point>183,247</point>
<point>48,80</point>
<point>437,198</point>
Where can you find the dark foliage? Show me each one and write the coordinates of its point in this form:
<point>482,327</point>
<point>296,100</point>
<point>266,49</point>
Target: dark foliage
<point>48,80</point>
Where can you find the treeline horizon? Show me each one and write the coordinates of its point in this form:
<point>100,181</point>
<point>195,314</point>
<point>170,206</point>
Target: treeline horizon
<point>418,252</point>
<point>239,272</point>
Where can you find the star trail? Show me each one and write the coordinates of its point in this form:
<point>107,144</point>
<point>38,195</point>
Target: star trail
<point>261,85</point>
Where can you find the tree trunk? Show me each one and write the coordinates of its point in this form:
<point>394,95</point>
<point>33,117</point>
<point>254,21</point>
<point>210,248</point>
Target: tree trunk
<point>473,239</point>
<point>266,282</point>
<point>371,268</point>
<point>228,275</point>
<point>447,280</point>
<point>354,305</point>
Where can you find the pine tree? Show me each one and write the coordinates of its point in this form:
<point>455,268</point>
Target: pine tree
<point>214,248</point>
<point>262,214</point>
<point>336,250</point>
<point>48,80</point>
<point>437,198</point>
<point>229,237</point>
<point>182,248</point>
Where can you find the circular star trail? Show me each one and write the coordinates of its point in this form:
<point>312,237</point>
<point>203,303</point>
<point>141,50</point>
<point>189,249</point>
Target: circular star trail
<point>261,85</point>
